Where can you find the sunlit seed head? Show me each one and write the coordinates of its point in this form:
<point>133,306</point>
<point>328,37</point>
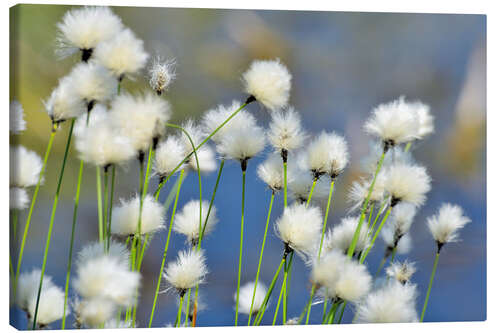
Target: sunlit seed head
<point>327,154</point>
<point>401,272</point>
<point>161,74</point>
<point>285,131</point>
<point>126,216</point>
<point>271,172</point>
<point>64,102</point>
<point>17,124</point>
<point>445,225</point>
<point>187,271</point>
<point>246,294</point>
<point>25,166</point>
<point>187,221</point>
<point>408,183</point>
<point>18,198</point>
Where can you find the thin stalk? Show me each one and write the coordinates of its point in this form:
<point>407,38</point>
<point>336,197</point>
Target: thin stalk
<point>341,312</point>
<point>243,178</point>
<point>309,303</point>
<point>433,273</point>
<point>52,218</point>
<point>286,277</point>
<point>381,265</point>
<point>71,242</point>
<point>331,314</point>
<point>187,308</point>
<point>285,183</point>
<point>32,206</point>
<point>216,186</point>
<point>381,209</point>
<point>387,213</point>
<point>105,208</point>
<point>408,146</point>
<point>166,248</point>
<point>111,195</point>
<point>99,203</point>
<point>393,253</point>
<point>371,213</point>
<point>179,312</point>
<point>355,238</point>
<point>261,254</point>
<point>277,306</point>
<point>311,191</point>
<point>327,211</point>
<point>325,305</point>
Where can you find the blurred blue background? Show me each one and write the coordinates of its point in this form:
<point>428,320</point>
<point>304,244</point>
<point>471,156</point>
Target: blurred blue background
<point>343,64</point>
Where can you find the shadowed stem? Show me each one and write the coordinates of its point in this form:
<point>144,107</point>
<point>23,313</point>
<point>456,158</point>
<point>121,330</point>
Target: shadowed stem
<point>331,314</point>
<point>105,208</point>
<point>243,178</point>
<point>181,175</point>
<point>433,273</point>
<point>341,313</point>
<point>355,238</point>
<point>327,211</point>
<point>380,266</point>
<point>99,202</point>
<point>179,312</point>
<point>284,156</point>
<point>261,254</point>
<point>111,195</point>
<point>32,206</point>
<point>52,217</point>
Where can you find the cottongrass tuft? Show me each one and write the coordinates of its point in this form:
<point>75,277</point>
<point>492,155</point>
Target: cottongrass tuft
<point>401,272</point>
<point>25,166</point>
<point>269,82</point>
<point>353,284</point>
<point>271,172</point>
<point>126,216</point>
<point>92,82</point>
<point>161,74</point>
<point>94,312</point>
<point>241,145</point>
<point>340,236</point>
<point>246,294</point>
<point>358,192</point>
<point>402,217</point>
<point>188,271</point>
<point>325,271</point>
<point>327,154</point>
<point>18,198</point>
<point>285,132</point>
<point>27,287</point>
<point>187,222</point>
<point>17,124</point>
<point>169,154</point>
<point>403,245</point>
<point>445,225</point>
<point>64,103</point>
<point>408,183</point>
<point>425,119</point>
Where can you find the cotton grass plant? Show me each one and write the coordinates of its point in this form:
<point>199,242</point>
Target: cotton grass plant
<point>111,128</point>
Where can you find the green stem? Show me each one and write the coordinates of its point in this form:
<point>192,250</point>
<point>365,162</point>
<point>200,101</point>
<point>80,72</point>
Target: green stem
<point>327,211</point>
<point>380,266</point>
<point>32,206</point>
<point>71,242</point>
<point>372,225</point>
<point>355,238</point>
<point>243,178</point>
<point>407,147</point>
<point>309,303</point>
<point>186,321</point>
<point>111,195</point>
<point>285,184</point>
<point>216,186</point>
<point>261,255</point>
<point>331,314</point>
<point>179,312</point>
<point>286,278</point>
<point>341,313</point>
<point>387,213</point>
<point>325,305</point>
<point>52,217</point>
<point>433,273</point>
<point>311,191</point>
<point>166,248</point>
<point>277,306</point>
<point>99,202</point>
<point>393,253</point>
<point>105,208</point>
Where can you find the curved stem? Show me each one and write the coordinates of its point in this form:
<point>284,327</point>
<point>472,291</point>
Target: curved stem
<point>216,186</point>
<point>32,206</point>
<point>355,238</point>
<point>243,178</point>
<point>433,273</point>
<point>186,321</point>
<point>261,255</point>
<point>309,304</point>
<point>311,191</point>
<point>52,217</point>
<point>166,248</point>
<point>387,213</point>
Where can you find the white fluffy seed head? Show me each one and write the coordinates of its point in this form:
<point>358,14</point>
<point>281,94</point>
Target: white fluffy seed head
<point>408,183</point>
<point>18,198</point>
<point>94,311</point>
<point>27,287</point>
<point>25,166</point>
<point>95,250</point>
<point>340,236</point>
<point>98,114</point>
<point>246,294</point>
<point>425,119</point>
<point>395,122</point>
<point>445,225</point>
<point>64,102</point>
<point>242,144</point>
<point>140,118</point>
<point>188,271</point>
<point>394,303</point>
<point>299,227</point>
<point>124,54</point>
<point>359,191</point>
<point>169,154</point>
<point>285,131</point>
<point>300,183</point>
<point>354,282</point>
<point>401,272</point>
<point>84,28</point>
<point>126,216</point>
<point>187,222</point>
<point>389,237</point>
<point>269,82</point>
<point>402,217</point>
<point>161,74</point>
<point>93,82</point>
<point>17,124</point>
<point>50,306</point>
<point>326,271</point>
<point>327,154</point>
<point>271,172</point>
<point>213,118</point>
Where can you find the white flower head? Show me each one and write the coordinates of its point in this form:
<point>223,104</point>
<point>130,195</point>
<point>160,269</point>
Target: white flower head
<point>269,82</point>
<point>285,132</point>
<point>94,250</point>
<point>140,118</point>
<point>98,114</point>
<point>327,154</point>
<point>95,311</point>
<point>401,272</point>
<point>18,198</point>
<point>354,282</point>
<point>84,28</point>
<point>326,271</point>
<point>394,303</point>
<point>188,271</point>
<point>271,172</point>
<point>187,222</point>
<point>241,145</point>
<point>126,216</point>
<point>340,236</point>
<point>300,184</point>
<point>206,154</point>
<point>425,118</point>
<point>394,123</point>
<point>93,83</point>
<point>360,189</point>
<point>407,183</point>
<point>17,124</point>
<point>64,102</point>
<point>402,243</point>
<point>124,54</point>
<point>299,227</point>
<point>169,154</point>
<point>25,167</point>
<point>50,306</point>
<point>161,74</point>
<point>444,226</point>
<point>402,217</point>
<point>27,287</point>
<point>213,118</point>
<point>246,295</point>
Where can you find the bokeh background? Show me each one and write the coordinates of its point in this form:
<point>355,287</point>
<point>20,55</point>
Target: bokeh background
<point>343,64</point>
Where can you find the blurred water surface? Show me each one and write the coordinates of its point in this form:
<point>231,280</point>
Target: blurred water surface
<point>343,65</point>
